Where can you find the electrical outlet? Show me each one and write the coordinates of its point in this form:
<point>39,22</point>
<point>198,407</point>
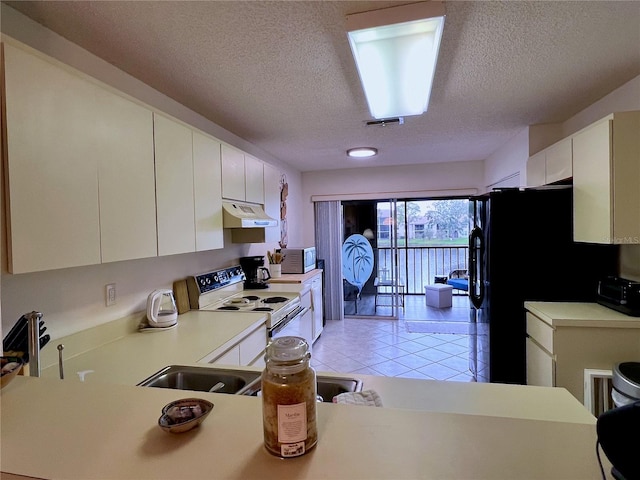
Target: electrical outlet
<point>110,294</point>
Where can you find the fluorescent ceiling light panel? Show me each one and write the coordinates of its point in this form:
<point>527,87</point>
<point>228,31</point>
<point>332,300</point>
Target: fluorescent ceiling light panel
<point>396,50</point>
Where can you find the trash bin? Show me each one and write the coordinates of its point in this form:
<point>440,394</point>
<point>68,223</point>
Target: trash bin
<point>440,279</point>
<point>626,383</point>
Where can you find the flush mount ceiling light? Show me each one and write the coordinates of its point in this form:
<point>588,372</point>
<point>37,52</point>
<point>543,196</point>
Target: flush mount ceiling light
<point>362,152</point>
<point>395,50</point>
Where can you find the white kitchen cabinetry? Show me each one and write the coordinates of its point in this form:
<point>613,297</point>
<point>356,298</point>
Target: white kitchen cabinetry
<point>550,165</point>
<point>564,339</point>
<point>174,186</point>
<point>233,176</point>
<point>249,350</point>
<point>559,161</point>
<point>126,179</point>
<point>316,302</point>
<point>243,176</point>
<point>254,179</point>
<point>536,170</point>
<point>606,175</point>
<point>207,182</point>
<point>75,196</point>
<point>311,298</point>
<point>306,322</point>
<point>272,201</point>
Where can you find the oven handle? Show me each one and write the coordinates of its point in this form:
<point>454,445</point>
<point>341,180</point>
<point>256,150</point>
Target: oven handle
<point>280,326</point>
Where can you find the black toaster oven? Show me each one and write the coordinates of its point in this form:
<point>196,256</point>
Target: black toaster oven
<point>620,294</point>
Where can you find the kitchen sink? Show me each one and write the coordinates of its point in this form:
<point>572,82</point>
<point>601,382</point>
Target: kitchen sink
<point>201,379</point>
<point>328,387</point>
<point>239,382</point>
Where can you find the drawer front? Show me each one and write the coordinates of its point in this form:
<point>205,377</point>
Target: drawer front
<point>230,357</point>
<point>540,331</point>
<point>541,367</point>
<point>253,345</point>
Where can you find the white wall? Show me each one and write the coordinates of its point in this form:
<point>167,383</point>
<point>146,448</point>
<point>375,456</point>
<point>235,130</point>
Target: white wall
<point>409,181</point>
<point>73,299</point>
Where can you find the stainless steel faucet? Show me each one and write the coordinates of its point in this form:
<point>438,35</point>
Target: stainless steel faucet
<point>34,343</point>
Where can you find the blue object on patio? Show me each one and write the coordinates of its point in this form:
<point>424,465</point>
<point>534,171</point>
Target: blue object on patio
<point>459,283</point>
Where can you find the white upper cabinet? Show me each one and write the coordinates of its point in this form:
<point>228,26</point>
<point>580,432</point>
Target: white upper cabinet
<point>53,211</point>
<point>254,179</point>
<point>233,180</point>
<point>550,165</point>
<point>606,176</point>
<point>207,175</point>
<point>174,187</point>
<point>536,170</point>
<point>558,161</point>
<point>125,171</point>
<point>242,176</point>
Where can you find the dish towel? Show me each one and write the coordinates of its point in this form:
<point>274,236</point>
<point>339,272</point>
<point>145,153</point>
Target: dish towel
<point>366,397</point>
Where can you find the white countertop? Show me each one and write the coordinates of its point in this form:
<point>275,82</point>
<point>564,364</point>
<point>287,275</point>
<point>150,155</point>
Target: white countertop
<point>60,429</point>
<point>295,277</point>
<point>130,359</point>
<point>107,427</point>
<point>574,314</point>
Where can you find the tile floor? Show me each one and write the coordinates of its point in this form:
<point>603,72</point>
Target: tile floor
<point>386,347</point>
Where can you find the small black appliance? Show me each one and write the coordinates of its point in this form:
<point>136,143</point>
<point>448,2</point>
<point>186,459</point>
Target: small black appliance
<point>617,431</point>
<point>620,294</point>
<point>255,272</point>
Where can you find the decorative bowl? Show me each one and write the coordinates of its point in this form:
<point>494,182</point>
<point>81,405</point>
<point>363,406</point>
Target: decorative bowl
<point>184,414</point>
<point>10,368</point>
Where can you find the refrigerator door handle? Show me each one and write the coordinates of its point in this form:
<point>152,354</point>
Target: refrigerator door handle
<point>476,270</point>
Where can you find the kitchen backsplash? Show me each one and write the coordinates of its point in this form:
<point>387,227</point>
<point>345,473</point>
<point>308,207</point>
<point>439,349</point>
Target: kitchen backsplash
<point>630,262</point>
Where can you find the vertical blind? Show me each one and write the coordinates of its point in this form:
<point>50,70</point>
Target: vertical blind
<point>328,231</point>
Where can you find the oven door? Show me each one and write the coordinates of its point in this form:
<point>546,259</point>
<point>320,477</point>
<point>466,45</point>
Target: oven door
<point>297,325</point>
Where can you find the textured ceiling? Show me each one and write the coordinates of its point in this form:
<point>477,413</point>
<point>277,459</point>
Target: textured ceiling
<point>280,74</point>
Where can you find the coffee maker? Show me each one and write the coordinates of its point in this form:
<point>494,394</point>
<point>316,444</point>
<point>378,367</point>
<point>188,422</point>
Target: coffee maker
<point>255,272</point>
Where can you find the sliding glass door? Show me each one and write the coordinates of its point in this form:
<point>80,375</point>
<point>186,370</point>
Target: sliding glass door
<point>371,283</point>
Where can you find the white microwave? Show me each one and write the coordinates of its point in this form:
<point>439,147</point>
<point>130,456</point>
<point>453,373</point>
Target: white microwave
<point>298,260</point>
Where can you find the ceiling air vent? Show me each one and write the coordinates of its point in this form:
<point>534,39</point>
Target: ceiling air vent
<point>385,122</point>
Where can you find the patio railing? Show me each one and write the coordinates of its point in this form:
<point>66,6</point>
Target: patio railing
<point>418,266</point>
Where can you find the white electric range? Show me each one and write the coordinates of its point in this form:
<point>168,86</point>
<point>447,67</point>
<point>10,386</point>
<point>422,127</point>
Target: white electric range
<point>223,291</point>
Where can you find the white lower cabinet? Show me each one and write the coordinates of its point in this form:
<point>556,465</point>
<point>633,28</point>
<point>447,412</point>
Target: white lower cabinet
<point>541,366</point>
<point>249,350</point>
<point>557,355</point>
<point>317,309</point>
<point>306,322</point>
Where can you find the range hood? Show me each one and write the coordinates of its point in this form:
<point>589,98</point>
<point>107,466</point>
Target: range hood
<point>245,215</point>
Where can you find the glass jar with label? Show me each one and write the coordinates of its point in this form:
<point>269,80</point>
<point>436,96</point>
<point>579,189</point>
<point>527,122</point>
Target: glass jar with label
<point>289,398</point>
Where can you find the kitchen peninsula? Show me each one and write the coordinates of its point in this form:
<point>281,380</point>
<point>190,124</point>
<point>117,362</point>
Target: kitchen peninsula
<point>106,427</point>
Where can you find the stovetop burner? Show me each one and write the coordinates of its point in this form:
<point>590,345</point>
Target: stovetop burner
<point>228,307</point>
<point>252,298</point>
<point>275,300</point>
<point>262,309</point>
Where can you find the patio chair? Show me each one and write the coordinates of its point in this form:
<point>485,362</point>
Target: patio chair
<point>351,293</point>
<point>459,279</point>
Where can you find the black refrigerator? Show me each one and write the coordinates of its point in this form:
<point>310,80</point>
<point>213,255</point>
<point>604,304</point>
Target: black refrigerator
<point>521,248</point>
